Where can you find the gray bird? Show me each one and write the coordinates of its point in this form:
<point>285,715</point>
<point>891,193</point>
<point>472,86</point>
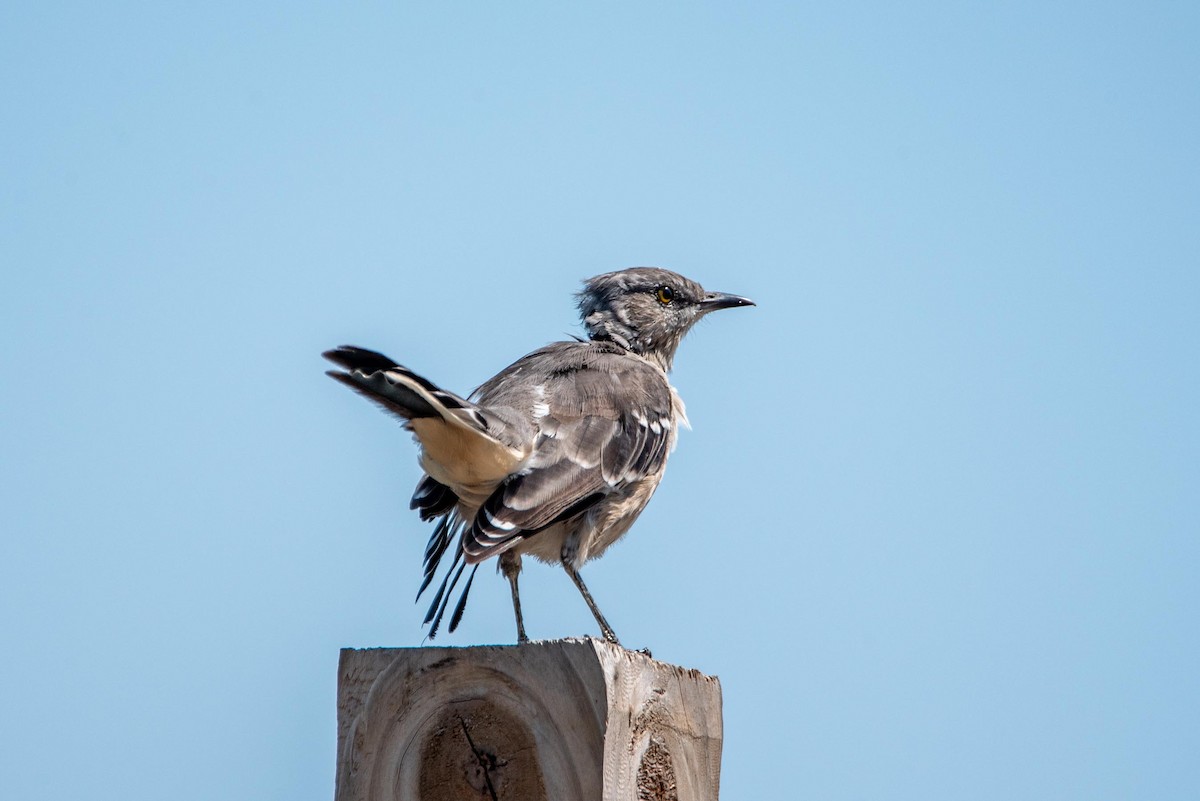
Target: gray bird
<point>556,455</point>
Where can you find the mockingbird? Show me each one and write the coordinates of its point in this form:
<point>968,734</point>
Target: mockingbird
<point>556,455</point>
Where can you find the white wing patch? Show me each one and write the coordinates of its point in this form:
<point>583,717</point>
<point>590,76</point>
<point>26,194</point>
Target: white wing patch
<point>540,407</point>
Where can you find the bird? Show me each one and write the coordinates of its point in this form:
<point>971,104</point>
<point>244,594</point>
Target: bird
<point>556,455</point>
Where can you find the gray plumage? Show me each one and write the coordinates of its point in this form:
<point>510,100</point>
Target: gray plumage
<point>556,455</point>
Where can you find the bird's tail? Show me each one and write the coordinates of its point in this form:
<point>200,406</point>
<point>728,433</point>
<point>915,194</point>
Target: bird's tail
<point>463,446</point>
<point>461,453</point>
<point>399,390</point>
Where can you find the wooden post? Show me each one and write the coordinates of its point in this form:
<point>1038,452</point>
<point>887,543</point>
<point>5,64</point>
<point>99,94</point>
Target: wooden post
<point>558,720</point>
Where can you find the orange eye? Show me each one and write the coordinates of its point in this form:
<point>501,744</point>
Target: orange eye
<point>665,295</point>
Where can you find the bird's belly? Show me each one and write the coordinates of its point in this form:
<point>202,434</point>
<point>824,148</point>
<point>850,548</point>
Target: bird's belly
<point>596,530</point>
<point>545,546</point>
<point>614,516</point>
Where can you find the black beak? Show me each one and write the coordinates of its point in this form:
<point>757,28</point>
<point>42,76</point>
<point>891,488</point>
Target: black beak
<point>720,300</point>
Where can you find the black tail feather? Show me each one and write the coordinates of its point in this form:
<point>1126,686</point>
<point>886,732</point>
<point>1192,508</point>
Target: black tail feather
<point>437,598</point>
<point>456,617</point>
<point>352,358</point>
<point>447,588</point>
<point>438,543</point>
<point>395,398</point>
<point>432,498</point>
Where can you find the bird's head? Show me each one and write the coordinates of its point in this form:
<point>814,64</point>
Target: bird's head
<point>648,309</point>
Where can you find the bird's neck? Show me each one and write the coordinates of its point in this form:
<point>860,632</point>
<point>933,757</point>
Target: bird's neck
<point>609,329</point>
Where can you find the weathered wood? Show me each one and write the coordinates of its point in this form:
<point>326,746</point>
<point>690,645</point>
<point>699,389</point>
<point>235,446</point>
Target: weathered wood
<point>561,720</point>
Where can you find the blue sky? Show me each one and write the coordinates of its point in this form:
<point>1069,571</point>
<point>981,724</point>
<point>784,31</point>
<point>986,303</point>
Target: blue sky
<point>934,527</point>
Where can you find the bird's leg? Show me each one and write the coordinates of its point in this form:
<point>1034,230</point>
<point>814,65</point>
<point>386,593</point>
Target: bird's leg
<point>605,629</point>
<point>510,565</point>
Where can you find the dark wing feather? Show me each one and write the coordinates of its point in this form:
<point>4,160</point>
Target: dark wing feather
<point>432,499</point>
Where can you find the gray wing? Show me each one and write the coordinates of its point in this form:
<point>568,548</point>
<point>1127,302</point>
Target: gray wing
<point>604,421</point>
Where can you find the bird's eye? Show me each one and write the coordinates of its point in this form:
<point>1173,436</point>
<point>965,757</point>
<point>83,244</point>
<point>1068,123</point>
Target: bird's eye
<point>665,295</point>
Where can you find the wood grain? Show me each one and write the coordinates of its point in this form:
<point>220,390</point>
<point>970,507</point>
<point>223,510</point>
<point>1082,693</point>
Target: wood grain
<point>562,720</point>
